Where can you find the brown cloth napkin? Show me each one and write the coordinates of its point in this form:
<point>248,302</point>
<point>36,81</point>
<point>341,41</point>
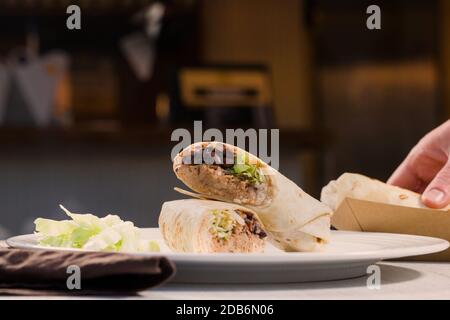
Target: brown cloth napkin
<point>44,272</point>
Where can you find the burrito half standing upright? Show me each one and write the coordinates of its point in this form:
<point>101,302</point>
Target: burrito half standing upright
<point>294,220</point>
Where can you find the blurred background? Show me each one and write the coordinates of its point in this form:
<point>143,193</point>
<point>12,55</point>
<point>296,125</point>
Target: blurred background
<point>86,115</point>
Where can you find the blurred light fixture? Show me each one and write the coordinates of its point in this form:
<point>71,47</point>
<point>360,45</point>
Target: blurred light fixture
<point>162,107</point>
<point>153,19</point>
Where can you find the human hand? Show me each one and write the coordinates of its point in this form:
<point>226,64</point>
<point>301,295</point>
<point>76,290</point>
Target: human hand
<point>426,169</point>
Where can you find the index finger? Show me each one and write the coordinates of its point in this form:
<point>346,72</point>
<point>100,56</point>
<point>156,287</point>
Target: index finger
<point>405,177</point>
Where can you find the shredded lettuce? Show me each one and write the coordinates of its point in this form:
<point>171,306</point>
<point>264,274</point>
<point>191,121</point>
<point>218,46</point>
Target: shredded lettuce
<point>222,224</point>
<point>246,170</point>
<point>89,232</point>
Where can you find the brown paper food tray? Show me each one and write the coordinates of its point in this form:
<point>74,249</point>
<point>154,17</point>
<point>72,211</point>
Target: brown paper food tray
<point>360,215</point>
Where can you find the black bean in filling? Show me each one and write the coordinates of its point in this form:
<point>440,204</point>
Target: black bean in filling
<point>252,224</point>
<point>219,157</point>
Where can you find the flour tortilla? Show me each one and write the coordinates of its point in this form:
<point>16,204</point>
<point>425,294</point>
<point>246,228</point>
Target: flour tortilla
<point>356,186</point>
<point>185,226</point>
<point>294,219</point>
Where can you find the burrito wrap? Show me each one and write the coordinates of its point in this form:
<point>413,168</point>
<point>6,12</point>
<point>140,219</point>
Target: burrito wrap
<point>289,214</point>
<point>356,186</point>
<point>186,226</point>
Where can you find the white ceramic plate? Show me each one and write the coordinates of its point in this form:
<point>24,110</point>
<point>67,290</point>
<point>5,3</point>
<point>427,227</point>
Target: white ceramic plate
<point>348,255</point>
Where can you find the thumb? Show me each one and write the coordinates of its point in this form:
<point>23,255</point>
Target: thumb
<point>437,194</point>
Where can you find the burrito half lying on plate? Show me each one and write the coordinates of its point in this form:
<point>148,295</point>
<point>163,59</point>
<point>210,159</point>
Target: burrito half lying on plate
<point>294,220</point>
<point>205,226</point>
<point>356,186</point>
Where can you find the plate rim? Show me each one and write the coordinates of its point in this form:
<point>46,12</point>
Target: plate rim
<point>287,258</point>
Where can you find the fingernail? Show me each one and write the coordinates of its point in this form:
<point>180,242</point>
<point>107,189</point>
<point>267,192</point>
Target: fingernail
<point>435,195</point>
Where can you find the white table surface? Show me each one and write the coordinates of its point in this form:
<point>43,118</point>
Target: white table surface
<point>399,280</point>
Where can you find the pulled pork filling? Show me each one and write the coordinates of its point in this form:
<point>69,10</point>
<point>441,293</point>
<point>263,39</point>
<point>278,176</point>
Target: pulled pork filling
<point>224,224</point>
<point>238,181</point>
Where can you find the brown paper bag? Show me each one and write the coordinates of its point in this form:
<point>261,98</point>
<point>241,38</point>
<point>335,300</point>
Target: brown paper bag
<point>361,215</point>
